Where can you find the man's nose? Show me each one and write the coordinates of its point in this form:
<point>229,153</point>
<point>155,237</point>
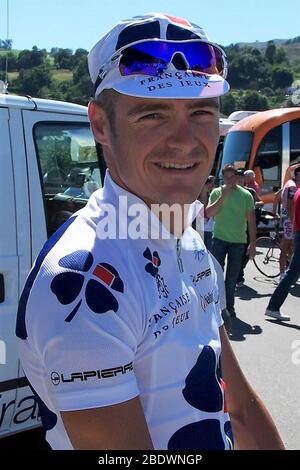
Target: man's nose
<point>182,135</point>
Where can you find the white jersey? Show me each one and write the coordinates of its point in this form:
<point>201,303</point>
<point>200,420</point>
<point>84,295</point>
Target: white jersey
<point>103,321</point>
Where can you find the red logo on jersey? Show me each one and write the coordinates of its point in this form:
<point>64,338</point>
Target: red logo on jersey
<point>104,274</point>
<point>155,261</point>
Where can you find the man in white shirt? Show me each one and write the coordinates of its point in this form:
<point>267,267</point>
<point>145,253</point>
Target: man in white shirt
<point>121,335</point>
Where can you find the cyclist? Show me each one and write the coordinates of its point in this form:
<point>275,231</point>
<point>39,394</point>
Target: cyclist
<point>119,334</point>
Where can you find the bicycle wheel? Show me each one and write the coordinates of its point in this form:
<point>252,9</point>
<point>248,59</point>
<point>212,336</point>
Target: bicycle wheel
<point>267,256</point>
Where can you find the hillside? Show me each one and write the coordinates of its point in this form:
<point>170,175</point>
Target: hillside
<point>292,49</point>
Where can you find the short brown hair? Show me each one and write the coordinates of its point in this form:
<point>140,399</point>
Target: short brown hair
<point>107,100</point>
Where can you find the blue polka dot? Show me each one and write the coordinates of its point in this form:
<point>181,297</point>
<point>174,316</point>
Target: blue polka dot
<point>202,389</point>
<point>203,435</point>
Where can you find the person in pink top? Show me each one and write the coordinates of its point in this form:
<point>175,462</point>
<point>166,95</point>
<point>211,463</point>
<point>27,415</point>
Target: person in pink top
<point>250,182</point>
<point>292,274</point>
<point>287,197</point>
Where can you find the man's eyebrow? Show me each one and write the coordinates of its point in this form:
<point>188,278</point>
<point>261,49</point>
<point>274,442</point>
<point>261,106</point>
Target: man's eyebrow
<point>203,103</point>
<point>148,107</point>
<point>153,107</point>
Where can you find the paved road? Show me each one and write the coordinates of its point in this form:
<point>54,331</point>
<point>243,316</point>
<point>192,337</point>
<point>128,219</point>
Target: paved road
<point>265,351</point>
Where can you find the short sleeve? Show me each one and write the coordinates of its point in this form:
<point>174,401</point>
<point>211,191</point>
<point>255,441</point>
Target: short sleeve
<point>250,205</point>
<point>214,195</point>
<point>88,346</point>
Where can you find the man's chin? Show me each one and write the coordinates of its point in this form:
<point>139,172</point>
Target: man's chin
<point>180,201</point>
<point>183,198</point>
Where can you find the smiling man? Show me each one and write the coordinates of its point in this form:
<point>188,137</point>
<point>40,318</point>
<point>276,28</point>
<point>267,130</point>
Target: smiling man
<point>161,150</point>
<point>122,337</point>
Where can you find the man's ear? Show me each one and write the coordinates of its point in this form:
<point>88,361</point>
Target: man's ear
<point>99,123</point>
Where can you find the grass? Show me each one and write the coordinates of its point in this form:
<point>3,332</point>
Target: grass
<point>62,75</point>
<point>4,52</point>
<point>59,75</point>
<point>12,75</point>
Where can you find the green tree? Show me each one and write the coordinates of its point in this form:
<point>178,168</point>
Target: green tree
<point>228,104</point>
<point>78,56</point>
<point>63,59</point>
<point>11,62</point>
<point>246,68</point>
<point>30,59</point>
<point>270,52</point>
<point>282,77</point>
<point>281,56</point>
<point>6,44</point>
<point>31,82</point>
<point>264,75</point>
<point>254,101</point>
<point>82,89</point>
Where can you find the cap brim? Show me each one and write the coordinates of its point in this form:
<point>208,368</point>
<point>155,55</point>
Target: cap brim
<point>179,84</point>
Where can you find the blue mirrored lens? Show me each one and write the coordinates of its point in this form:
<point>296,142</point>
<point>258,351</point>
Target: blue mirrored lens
<point>153,57</point>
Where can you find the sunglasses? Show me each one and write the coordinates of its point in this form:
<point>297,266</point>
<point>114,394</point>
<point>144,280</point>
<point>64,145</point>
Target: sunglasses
<point>153,57</point>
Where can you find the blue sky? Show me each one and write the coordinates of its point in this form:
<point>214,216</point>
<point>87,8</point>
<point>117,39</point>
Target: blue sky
<point>80,23</point>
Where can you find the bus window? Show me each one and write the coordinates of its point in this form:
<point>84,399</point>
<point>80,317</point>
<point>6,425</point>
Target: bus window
<point>295,139</point>
<point>237,148</point>
<point>268,159</point>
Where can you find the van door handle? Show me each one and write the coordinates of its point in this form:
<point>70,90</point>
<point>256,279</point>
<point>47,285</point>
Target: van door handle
<point>2,289</point>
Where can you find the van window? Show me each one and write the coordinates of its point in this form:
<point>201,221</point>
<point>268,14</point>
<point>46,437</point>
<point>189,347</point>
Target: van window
<point>69,168</point>
<point>269,156</point>
<point>295,139</point>
<point>67,158</point>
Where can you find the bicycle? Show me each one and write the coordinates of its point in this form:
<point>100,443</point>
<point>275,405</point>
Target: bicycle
<point>268,248</point>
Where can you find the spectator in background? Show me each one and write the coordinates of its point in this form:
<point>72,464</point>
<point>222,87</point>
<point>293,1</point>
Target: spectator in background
<point>232,206</point>
<point>292,274</point>
<point>250,182</point>
<point>258,203</point>
<point>287,197</point>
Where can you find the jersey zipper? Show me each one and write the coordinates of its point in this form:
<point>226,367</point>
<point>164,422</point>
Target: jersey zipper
<point>178,252</point>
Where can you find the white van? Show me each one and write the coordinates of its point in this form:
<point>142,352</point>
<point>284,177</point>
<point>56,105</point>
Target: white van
<point>48,169</point>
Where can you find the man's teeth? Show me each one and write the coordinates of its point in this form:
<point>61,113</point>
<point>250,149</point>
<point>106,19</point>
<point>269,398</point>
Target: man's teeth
<point>176,165</point>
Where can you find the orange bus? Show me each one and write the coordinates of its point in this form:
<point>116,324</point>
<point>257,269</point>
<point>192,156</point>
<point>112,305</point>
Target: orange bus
<point>268,143</point>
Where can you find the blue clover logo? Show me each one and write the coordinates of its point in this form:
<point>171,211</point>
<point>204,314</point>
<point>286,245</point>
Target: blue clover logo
<point>67,286</point>
<point>155,262</point>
